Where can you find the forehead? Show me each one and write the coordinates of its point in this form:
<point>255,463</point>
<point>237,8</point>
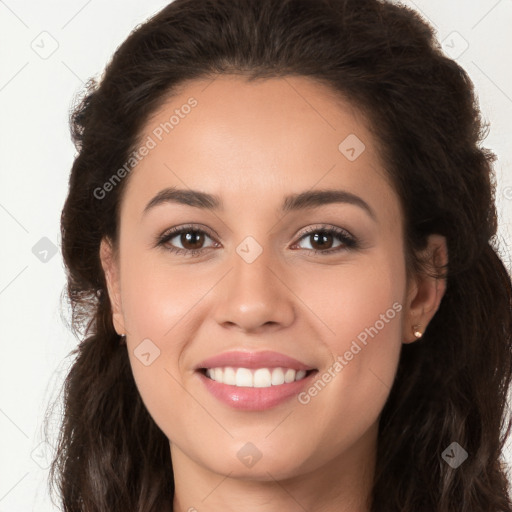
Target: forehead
<point>229,136</point>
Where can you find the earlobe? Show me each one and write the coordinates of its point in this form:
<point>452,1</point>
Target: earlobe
<point>111,270</point>
<point>427,290</point>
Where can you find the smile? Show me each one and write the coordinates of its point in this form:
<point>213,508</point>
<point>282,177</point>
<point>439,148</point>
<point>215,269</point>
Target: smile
<point>255,378</point>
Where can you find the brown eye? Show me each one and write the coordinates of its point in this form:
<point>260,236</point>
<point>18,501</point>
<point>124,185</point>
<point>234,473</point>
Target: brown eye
<point>322,240</point>
<point>192,239</point>
<point>328,240</point>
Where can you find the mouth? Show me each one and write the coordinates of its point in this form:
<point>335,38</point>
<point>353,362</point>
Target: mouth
<point>255,389</point>
<point>254,381</point>
<point>255,377</point>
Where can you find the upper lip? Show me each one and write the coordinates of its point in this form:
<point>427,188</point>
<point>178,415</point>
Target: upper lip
<point>262,359</point>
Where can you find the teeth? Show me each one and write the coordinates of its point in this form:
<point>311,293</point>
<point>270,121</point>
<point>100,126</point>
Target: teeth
<point>289,376</point>
<point>243,377</point>
<point>300,374</point>
<point>228,377</point>
<point>262,378</point>
<point>277,377</point>
<point>259,378</point>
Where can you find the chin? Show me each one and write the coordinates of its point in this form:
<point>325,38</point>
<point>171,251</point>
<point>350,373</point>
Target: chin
<point>266,468</point>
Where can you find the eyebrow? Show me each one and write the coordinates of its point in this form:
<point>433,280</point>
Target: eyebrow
<point>293,202</point>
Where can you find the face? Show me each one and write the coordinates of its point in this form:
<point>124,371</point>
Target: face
<point>300,299</point>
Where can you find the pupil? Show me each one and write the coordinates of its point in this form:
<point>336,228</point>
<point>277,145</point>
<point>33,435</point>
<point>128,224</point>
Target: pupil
<point>192,238</point>
<point>323,236</point>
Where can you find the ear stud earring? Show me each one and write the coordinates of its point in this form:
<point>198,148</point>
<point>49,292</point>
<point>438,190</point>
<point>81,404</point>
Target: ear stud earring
<point>416,331</point>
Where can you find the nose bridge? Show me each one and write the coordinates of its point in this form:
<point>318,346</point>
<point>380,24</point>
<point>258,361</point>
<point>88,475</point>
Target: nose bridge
<point>253,294</point>
<point>254,268</point>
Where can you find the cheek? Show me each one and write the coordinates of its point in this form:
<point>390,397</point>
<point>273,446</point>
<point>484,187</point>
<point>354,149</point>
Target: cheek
<point>359,301</point>
<point>362,306</point>
<point>157,297</point>
<point>158,305</point>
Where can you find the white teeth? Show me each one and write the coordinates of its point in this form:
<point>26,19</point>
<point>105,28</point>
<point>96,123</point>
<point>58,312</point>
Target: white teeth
<point>289,375</point>
<point>229,376</point>
<point>243,377</point>
<point>277,376</point>
<point>300,375</point>
<point>258,378</point>
<point>262,378</point>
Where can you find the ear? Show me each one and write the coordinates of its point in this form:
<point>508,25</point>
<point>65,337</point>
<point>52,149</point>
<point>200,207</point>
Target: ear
<point>110,265</point>
<point>425,292</point>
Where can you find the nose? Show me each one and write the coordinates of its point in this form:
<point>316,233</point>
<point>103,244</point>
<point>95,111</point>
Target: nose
<point>255,297</point>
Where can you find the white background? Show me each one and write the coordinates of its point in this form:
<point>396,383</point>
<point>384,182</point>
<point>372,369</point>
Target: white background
<point>36,156</point>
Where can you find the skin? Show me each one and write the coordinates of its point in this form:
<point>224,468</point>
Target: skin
<point>253,144</point>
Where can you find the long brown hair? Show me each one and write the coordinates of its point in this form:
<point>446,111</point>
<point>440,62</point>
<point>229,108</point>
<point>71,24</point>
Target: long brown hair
<point>450,387</point>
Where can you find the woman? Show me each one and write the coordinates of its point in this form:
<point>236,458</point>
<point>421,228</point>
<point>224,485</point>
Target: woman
<point>279,244</point>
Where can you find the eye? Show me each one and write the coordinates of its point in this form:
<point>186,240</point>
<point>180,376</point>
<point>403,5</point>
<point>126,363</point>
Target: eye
<point>191,239</point>
<point>322,239</point>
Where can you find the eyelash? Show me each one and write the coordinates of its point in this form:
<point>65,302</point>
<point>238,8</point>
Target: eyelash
<point>348,241</point>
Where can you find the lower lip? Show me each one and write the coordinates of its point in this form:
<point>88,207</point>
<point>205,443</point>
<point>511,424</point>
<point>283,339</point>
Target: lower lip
<point>254,399</point>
